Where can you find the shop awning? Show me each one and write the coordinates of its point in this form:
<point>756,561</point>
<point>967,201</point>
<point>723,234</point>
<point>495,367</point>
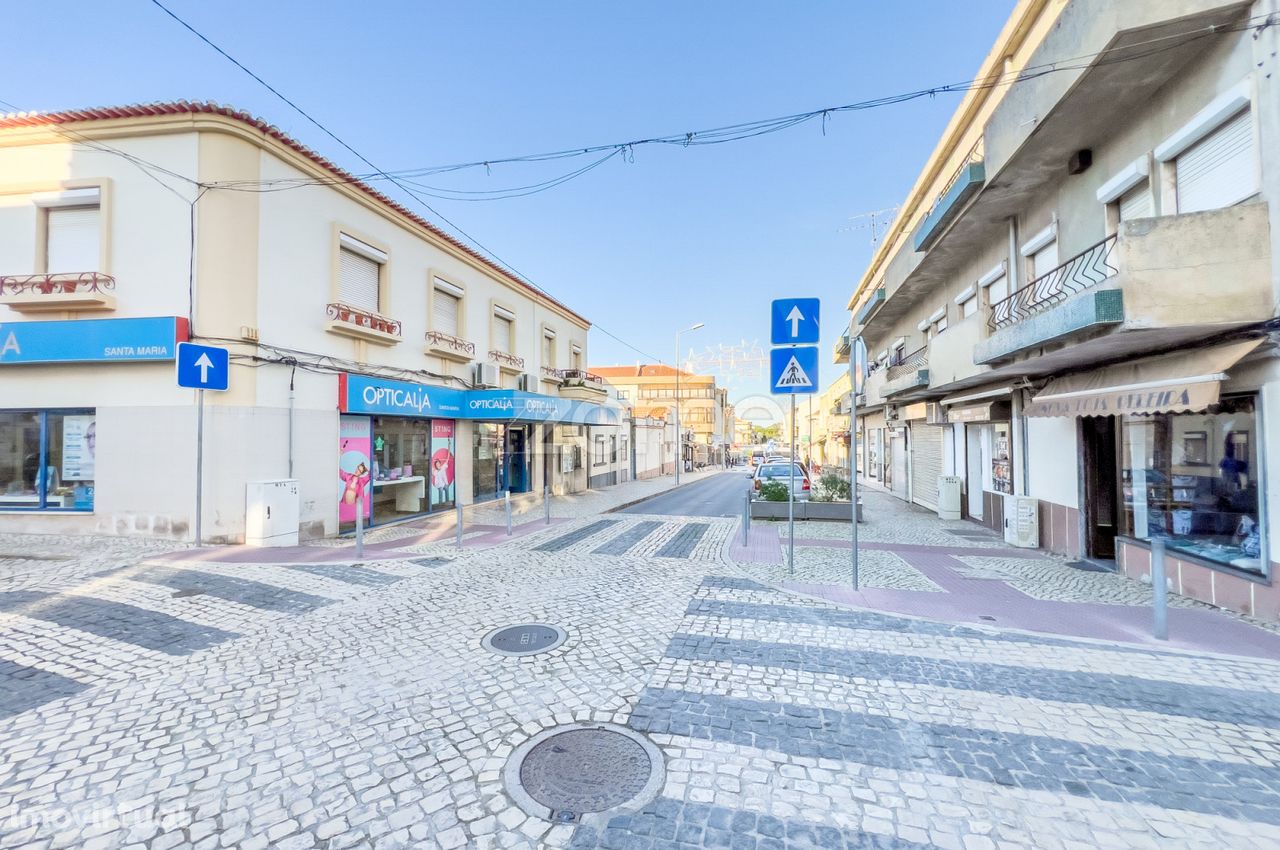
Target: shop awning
<point>991,411</point>
<point>1172,383</point>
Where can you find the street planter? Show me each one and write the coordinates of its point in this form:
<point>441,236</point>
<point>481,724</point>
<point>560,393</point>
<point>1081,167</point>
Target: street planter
<point>826,511</point>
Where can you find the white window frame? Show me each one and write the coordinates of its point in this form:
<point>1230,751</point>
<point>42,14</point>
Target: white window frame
<point>499,314</point>
<point>360,248</point>
<point>441,286</point>
<point>548,335</point>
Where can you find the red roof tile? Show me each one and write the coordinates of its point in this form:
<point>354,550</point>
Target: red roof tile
<point>182,107</point>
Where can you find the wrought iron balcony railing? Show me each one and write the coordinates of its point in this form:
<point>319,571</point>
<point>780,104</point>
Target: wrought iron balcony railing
<point>581,375</point>
<point>913,362</point>
<point>358,318</point>
<point>56,284</point>
<point>551,372</point>
<point>1083,271</point>
<point>439,339</point>
<point>506,359</point>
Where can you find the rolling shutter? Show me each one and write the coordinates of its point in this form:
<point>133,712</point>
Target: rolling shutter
<point>445,319</point>
<point>1136,203</point>
<point>1219,170</point>
<point>358,281</point>
<point>1044,261</point>
<point>73,240</point>
<point>502,334</point>
<point>926,464</point>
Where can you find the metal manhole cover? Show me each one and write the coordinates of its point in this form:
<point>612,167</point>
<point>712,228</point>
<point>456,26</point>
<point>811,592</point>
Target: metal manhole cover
<point>565,773</point>
<point>524,639</point>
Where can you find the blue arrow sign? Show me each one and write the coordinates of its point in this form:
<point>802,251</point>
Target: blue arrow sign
<point>795,321</point>
<point>794,371</point>
<point>202,367</point>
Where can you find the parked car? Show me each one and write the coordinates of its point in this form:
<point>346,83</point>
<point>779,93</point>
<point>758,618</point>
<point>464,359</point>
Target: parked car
<point>782,472</point>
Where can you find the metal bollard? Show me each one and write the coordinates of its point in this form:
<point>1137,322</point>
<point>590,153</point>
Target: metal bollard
<point>458,511</point>
<point>507,500</point>
<point>1159,589</point>
<point>546,505</point>
<point>746,518</point>
<point>360,526</point>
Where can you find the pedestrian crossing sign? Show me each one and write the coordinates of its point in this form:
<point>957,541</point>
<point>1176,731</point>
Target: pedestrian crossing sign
<point>794,371</point>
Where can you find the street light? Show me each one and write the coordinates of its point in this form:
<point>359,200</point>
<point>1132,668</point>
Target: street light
<point>679,434</point>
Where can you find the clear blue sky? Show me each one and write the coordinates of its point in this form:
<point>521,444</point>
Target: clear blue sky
<point>679,236</point>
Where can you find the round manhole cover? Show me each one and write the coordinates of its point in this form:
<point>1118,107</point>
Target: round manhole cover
<point>524,639</point>
<point>568,772</point>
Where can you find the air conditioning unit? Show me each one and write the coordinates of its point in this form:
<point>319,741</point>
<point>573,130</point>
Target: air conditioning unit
<point>525,383</point>
<point>271,513</point>
<point>935,414</point>
<point>484,374</point>
<point>1022,522</point>
<point>949,488</point>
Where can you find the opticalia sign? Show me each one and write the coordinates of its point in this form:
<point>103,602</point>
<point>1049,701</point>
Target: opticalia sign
<point>367,394</point>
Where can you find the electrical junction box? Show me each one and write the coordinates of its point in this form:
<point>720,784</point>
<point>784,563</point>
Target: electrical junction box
<point>1022,522</point>
<point>949,487</point>
<point>271,513</point>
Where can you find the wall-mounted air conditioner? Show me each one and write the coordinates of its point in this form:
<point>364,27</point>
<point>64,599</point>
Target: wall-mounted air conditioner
<point>525,382</point>
<point>484,374</point>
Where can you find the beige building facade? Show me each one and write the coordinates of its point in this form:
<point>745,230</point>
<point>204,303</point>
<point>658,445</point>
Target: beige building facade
<point>1075,311</point>
<point>374,359</point>
<point>706,417</point>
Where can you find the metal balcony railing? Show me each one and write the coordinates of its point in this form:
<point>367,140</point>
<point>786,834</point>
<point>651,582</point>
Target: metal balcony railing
<point>359,318</point>
<point>1083,271</point>
<point>581,375</point>
<point>913,362</point>
<point>506,359</point>
<point>551,372</point>
<point>440,339</point>
<point>56,284</point>
<point>976,154</point>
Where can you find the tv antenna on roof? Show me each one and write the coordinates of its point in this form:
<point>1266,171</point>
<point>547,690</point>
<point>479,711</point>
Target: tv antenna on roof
<point>877,221</point>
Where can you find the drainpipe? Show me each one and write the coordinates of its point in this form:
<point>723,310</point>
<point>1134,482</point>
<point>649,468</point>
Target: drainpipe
<point>292,372</point>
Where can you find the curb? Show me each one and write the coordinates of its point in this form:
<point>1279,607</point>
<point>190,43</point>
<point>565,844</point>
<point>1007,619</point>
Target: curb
<point>626,505</point>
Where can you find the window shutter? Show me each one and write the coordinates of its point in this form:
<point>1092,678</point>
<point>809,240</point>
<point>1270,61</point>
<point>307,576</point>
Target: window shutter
<point>502,334</point>
<point>73,240</point>
<point>548,351</point>
<point>1219,170</point>
<point>1136,203</point>
<point>969,307</point>
<point>358,281</point>
<point>998,289</point>
<point>1045,260</point>
<point>445,319</point>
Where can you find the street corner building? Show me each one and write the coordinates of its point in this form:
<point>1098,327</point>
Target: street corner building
<point>1071,327</point>
<point>376,362</point>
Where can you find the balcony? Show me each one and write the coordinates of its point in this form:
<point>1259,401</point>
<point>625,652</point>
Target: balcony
<point>957,191</point>
<point>506,361</point>
<point>581,384</point>
<point>551,375</point>
<point>905,379</point>
<point>1165,281</point>
<point>951,354</point>
<point>450,347</point>
<point>362,324</point>
<point>841,354</point>
<point>873,389</point>
<point>40,293</point>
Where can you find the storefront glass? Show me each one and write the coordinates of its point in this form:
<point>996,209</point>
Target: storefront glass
<point>486,453</point>
<point>396,467</point>
<point>47,460</point>
<point>443,478</point>
<point>400,467</point>
<point>1001,458</point>
<point>1194,478</point>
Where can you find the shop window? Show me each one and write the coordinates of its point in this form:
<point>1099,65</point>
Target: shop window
<point>1194,479</point>
<point>47,460</point>
<point>487,440</point>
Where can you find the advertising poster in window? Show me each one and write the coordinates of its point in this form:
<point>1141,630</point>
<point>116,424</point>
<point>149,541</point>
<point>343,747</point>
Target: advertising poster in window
<point>79,447</point>
<point>354,475</point>
<point>442,463</point>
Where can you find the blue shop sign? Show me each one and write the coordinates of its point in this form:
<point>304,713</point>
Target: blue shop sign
<point>365,394</point>
<point>92,340</point>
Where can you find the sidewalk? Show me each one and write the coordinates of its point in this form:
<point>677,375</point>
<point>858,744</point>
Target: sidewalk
<point>912,563</point>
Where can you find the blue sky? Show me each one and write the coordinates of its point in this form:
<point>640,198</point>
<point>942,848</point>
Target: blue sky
<point>642,248</point>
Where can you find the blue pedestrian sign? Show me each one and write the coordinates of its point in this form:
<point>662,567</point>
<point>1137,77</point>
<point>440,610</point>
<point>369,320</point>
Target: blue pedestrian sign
<point>202,367</point>
<point>795,321</point>
<point>794,371</point>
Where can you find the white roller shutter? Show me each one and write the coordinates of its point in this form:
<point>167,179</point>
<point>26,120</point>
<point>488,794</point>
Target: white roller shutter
<point>445,306</point>
<point>502,334</point>
<point>357,281</point>
<point>926,463</point>
<point>73,244</point>
<point>1045,260</point>
<point>1136,203</point>
<point>1219,170</point>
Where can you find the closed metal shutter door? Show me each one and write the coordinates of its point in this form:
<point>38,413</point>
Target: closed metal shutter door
<point>1219,170</point>
<point>926,464</point>
<point>1136,203</point>
<point>357,281</point>
<point>73,240</point>
<point>446,313</point>
<point>502,334</point>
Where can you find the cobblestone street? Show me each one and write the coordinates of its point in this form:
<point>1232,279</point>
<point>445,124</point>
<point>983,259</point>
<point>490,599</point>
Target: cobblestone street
<point>200,701</point>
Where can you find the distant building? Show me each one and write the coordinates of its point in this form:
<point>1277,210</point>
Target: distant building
<point>706,417</point>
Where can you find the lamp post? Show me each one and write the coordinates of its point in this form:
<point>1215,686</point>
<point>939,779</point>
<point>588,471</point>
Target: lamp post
<point>679,433</point>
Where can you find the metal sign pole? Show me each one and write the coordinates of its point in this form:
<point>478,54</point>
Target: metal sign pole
<point>1159,589</point>
<point>199,467</point>
<point>746,518</point>
<point>546,504</point>
<point>791,495</point>
<point>360,524</point>
<point>506,498</point>
<point>457,509</point>
<point>853,453</point>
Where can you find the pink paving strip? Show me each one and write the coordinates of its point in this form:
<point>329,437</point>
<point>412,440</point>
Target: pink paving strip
<point>970,600</point>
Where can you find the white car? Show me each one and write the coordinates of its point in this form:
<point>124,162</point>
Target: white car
<point>782,472</point>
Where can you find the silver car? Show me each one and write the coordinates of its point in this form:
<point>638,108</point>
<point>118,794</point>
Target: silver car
<point>782,472</point>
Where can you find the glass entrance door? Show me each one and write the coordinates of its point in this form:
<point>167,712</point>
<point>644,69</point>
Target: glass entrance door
<point>486,460</point>
<point>517,460</point>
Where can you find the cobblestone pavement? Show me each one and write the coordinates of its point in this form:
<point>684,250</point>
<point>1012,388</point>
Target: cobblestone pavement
<point>151,704</point>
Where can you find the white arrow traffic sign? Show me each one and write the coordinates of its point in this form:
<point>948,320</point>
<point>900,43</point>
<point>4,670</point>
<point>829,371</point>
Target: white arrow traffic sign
<point>204,364</point>
<point>795,317</point>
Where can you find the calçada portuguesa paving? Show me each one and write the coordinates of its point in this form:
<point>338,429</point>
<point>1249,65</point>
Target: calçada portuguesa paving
<point>211,699</point>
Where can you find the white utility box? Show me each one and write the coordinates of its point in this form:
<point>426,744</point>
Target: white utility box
<point>1022,521</point>
<point>271,513</point>
<point>949,490</point>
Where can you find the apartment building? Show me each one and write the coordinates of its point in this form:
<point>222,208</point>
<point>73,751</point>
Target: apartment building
<point>706,417</point>
<point>1078,301</point>
<point>375,360</point>
<point>829,427</point>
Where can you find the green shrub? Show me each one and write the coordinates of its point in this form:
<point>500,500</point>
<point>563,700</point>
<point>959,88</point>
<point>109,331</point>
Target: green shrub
<point>773,491</point>
<point>831,488</point>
